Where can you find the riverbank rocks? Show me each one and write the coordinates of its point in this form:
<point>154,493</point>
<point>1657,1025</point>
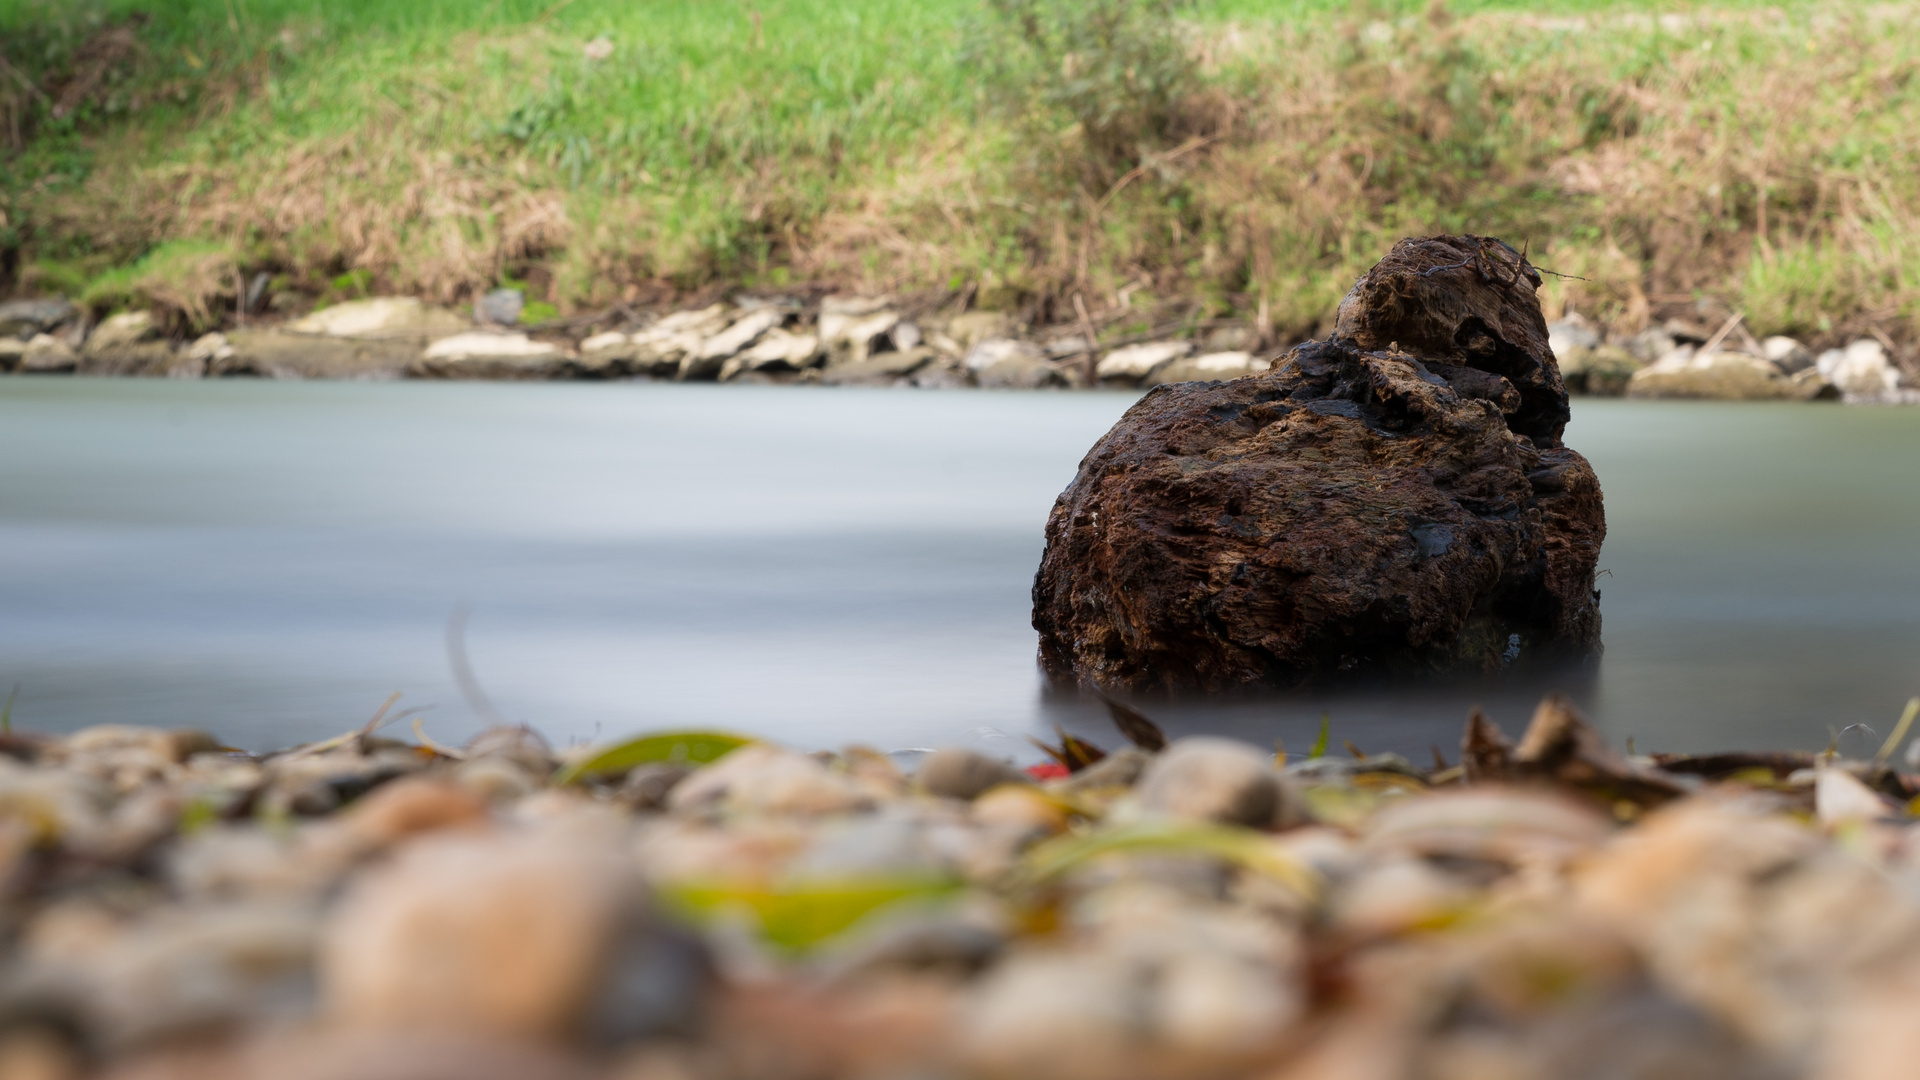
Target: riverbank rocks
<point>777,352</point>
<point>1392,501</point>
<point>685,345</point>
<point>1722,376</point>
<point>878,369</point>
<point>703,364</point>
<point>277,354</point>
<point>486,355</point>
<point>47,355</point>
<point>1131,365</point>
<point>1009,364</point>
<point>916,341</point>
<point>1598,371</point>
<point>1787,354</point>
<point>126,344</point>
<point>384,318</point>
<point>1211,367</point>
<point>501,307</point>
<point>853,327</point>
<point>20,320</point>
<point>375,339</point>
<point>1586,365</point>
<point>1860,371</point>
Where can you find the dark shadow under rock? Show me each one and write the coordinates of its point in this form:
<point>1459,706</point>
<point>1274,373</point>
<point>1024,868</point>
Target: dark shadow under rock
<point>1394,500</point>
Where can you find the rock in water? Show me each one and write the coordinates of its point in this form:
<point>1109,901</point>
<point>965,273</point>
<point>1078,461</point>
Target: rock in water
<point>1394,500</point>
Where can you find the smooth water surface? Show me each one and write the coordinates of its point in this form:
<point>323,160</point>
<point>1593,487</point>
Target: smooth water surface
<point>271,560</point>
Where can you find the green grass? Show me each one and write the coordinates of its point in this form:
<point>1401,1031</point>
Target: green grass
<point>439,147</point>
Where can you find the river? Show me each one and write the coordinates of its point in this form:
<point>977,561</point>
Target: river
<point>271,560</point>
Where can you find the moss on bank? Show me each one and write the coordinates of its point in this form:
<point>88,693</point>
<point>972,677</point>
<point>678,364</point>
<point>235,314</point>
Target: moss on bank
<point>1760,158</point>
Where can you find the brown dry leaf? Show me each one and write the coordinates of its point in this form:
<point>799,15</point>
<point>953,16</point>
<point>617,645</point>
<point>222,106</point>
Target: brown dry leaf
<point>1560,747</point>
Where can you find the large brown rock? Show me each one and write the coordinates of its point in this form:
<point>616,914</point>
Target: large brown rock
<point>1394,500</point>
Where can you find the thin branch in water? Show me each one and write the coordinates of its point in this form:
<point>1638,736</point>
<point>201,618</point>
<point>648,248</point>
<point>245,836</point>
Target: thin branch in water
<point>463,676</point>
<point>1558,274</point>
<point>1899,732</point>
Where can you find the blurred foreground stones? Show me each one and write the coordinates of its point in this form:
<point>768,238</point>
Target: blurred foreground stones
<point>374,908</point>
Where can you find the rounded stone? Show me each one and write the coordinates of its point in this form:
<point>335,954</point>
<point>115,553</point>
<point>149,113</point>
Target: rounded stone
<point>410,806</point>
<point>959,773</point>
<point>1210,779</point>
<point>524,937</point>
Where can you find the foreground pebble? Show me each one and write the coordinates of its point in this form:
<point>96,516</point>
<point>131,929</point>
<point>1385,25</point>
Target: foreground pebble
<point>694,907</point>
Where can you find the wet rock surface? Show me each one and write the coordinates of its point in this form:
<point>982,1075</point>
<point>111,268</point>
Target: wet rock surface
<point>278,354</point>
<point>482,355</point>
<point>1548,907</point>
<point>1393,500</point>
<point>22,319</point>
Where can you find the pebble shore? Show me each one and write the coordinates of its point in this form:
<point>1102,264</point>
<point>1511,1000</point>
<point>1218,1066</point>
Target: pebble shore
<point>869,341</point>
<point>693,906</point>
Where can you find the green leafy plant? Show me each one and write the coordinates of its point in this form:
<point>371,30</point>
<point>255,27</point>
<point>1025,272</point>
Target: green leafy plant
<point>1115,70</point>
<point>188,282</point>
<point>352,285</point>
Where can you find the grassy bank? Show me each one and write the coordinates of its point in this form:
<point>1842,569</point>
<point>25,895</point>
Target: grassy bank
<point>1236,157</point>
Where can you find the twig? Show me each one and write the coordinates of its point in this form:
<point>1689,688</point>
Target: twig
<point>1899,732</point>
<point>1140,170</point>
<point>1162,330</point>
<point>420,732</point>
<point>1519,263</point>
<point>24,81</point>
<point>477,698</point>
<point>1432,270</point>
<point>1086,328</point>
<point>373,724</point>
<point>1720,335</point>
<point>1558,274</point>
<point>1892,349</point>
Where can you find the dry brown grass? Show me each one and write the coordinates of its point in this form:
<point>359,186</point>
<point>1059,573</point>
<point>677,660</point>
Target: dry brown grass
<point>1759,160</point>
